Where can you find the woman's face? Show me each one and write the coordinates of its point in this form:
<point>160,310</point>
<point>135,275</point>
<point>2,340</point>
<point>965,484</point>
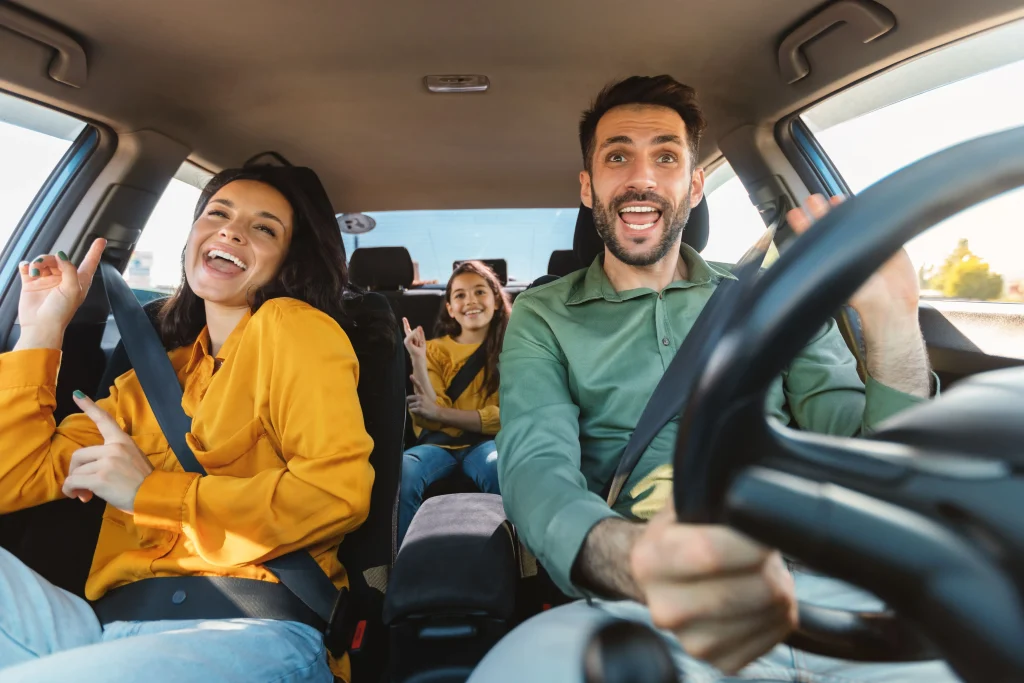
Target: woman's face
<point>472,302</point>
<point>238,243</point>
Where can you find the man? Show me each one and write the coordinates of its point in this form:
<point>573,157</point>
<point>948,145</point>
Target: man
<point>580,359</point>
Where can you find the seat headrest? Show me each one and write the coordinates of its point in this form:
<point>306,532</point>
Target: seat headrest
<point>381,268</point>
<point>587,244</point>
<point>563,262</point>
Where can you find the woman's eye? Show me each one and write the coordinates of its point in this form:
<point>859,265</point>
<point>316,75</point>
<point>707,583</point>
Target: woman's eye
<point>267,229</point>
<point>217,212</point>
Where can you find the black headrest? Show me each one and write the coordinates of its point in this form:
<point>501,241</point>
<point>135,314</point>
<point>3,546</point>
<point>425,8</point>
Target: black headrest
<point>381,268</point>
<point>563,262</point>
<point>587,244</point>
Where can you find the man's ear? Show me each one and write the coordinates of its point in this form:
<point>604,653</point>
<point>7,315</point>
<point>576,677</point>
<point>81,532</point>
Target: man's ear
<point>586,194</point>
<point>697,186</point>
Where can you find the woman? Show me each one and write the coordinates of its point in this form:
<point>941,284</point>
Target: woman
<point>257,332</point>
<point>455,432</point>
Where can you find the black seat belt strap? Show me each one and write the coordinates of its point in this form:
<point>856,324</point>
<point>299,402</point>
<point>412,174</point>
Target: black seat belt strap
<point>670,395</point>
<point>297,570</point>
<point>467,373</point>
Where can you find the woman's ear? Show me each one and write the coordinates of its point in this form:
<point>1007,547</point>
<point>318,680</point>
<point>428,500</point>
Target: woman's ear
<point>448,307</point>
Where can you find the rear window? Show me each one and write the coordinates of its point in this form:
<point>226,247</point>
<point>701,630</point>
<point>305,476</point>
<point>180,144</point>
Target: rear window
<point>525,238</point>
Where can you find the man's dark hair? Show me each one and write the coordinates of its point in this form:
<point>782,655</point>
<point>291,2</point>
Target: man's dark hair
<point>661,91</point>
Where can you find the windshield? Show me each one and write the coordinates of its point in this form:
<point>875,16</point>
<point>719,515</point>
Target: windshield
<point>525,238</point>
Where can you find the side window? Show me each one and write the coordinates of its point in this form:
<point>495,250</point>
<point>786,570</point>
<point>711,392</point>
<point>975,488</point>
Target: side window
<point>33,139</point>
<point>154,269</point>
<point>735,222</point>
<point>971,89</point>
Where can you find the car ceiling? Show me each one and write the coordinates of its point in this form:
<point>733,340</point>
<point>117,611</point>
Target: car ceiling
<point>338,85</point>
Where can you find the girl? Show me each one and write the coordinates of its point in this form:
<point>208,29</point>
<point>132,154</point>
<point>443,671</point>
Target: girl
<point>258,332</point>
<point>456,431</point>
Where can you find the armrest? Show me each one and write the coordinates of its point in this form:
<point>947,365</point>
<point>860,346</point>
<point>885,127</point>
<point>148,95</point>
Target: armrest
<point>459,555</point>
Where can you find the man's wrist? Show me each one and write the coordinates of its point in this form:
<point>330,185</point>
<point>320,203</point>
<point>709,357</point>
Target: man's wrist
<point>890,329</point>
<point>603,564</point>
<point>897,356</point>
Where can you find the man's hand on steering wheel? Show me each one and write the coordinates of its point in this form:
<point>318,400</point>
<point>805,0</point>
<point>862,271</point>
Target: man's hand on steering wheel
<point>727,599</point>
<point>887,306</point>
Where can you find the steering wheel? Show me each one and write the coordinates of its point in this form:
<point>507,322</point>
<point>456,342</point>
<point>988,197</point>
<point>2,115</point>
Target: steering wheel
<point>928,513</point>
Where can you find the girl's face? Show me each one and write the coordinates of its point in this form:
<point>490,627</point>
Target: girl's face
<point>472,302</point>
<point>238,243</point>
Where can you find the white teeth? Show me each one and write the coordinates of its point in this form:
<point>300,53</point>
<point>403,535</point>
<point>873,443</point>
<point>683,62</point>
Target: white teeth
<point>638,209</point>
<point>227,257</point>
<point>642,226</point>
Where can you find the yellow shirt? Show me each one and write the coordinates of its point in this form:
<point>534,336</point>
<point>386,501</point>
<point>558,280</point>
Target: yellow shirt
<point>278,429</point>
<point>445,357</point>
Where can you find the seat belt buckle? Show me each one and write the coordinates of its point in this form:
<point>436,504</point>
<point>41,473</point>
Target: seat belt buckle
<point>338,635</point>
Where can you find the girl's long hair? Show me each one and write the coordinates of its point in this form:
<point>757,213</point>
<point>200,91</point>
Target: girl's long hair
<point>447,325</point>
<point>314,269</point>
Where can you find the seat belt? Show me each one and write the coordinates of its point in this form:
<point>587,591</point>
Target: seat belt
<point>460,382</point>
<point>467,373</point>
<point>670,395</point>
<point>297,570</point>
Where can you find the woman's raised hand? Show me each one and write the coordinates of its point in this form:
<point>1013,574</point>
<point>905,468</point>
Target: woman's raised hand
<point>415,343</point>
<point>52,289</point>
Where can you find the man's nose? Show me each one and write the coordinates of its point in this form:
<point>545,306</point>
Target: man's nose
<point>642,177</point>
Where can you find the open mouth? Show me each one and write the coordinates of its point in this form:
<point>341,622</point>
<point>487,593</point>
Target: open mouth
<point>224,262</point>
<point>640,217</point>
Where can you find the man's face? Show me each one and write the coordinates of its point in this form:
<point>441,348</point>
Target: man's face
<point>641,185</point>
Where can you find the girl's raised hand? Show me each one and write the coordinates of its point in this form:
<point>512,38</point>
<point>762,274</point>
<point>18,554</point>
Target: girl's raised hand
<point>415,342</point>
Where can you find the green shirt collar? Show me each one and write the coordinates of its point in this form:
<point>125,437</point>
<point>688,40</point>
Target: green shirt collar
<point>596,285</point>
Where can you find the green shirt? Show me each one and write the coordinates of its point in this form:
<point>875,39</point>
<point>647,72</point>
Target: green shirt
<point>578,364</point>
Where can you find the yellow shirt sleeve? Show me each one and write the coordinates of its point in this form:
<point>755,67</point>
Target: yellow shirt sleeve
<point>322,489</point>
<point>490,416</point>
<point>34,452</point>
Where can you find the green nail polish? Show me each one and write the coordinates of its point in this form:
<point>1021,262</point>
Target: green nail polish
<point>62,256</point>
<point>40,259</point>
<point>34,272</point>
<point>79,394</point>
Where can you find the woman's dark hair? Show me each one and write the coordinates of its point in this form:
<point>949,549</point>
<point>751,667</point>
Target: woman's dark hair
<point>314,269</point>
<point>447,325</point>
<point>662,91</point>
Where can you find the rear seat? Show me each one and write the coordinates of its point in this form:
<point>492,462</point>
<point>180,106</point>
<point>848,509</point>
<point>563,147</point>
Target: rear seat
<point>389,270</point>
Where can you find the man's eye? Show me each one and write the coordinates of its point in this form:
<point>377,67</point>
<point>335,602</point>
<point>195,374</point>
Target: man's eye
<point>616,158</point>
<point>667,159</point>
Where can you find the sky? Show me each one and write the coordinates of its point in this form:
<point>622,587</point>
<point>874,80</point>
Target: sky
<point>865,149</point>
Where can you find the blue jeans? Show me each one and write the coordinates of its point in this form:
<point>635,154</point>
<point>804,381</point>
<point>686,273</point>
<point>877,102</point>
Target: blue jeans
<point>556,640</point>
<point>424,465</point>
<point>48,634</point>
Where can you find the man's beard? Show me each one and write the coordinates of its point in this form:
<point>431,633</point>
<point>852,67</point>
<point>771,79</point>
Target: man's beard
<point>606,217</point>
